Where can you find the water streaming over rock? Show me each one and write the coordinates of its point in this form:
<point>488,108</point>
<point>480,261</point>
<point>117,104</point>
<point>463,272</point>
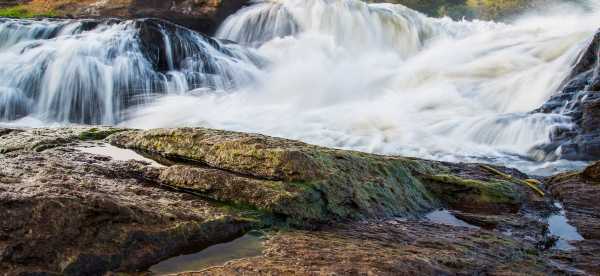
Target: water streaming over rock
<point>383,78</point>
<point>372,77</point>
<point>91,71</point>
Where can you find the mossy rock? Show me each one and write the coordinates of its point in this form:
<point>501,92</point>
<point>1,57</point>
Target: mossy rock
<point>93,134</point>
<point>306,182</point>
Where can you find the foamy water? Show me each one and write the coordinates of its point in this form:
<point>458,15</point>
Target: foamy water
<point>382,78</point>
<point>377,78</point>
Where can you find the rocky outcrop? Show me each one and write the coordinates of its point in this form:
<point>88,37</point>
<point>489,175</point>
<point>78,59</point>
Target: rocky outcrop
<point>579,99</point>
<point>67,212</point>
<point>321,184</point>
<point>395,247</point>
<point>72,209</point>
<point>579,192</point>
<point>203,16</point>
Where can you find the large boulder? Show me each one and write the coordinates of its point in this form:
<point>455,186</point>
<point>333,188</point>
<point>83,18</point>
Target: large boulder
<point>314,184</point>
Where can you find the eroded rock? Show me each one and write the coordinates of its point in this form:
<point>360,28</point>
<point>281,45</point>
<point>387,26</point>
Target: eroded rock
<point>71,212</point>
<point>392,247</point>
<point>67,212</point>
<point>579,192</point>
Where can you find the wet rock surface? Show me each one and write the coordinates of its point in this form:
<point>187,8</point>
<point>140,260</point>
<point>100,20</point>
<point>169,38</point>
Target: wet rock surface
<point>394,247</point>
<point>316,184</point>
<point>67,212</point>
<point>579,99</point>
<point>70,212</point>
<point>580,194</point>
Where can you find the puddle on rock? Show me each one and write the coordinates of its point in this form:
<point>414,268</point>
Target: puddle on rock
<point>117,153</point>
<point>558,226</point>
<point>249,245</point>
<point>447,218</point>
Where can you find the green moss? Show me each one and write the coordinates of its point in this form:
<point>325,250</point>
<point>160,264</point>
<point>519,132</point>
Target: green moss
<point>308,183</point>
<point>492,191</point>
<point>94,134</point>
<point>23,12</point>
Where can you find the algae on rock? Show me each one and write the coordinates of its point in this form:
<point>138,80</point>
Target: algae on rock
<point>310,183</point>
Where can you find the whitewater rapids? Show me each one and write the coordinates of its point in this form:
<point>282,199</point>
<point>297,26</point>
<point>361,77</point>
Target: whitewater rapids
<point>385,79</point>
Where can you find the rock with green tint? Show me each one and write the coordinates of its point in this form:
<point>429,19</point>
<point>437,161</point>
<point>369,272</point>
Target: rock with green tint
<point>311,183</point>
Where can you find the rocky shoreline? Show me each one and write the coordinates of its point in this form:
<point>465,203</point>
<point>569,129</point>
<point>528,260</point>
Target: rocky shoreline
<point>71,209</point>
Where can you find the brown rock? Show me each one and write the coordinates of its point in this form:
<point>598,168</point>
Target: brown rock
<point>580,194</point>
<point>203,16</point>
<point>392,247</point>
<point>592,172</point>
<point>72,213</point>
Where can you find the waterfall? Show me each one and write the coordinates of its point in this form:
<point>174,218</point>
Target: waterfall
<point>91,71</point>
<point>341,73</point>
<point>386,79</point>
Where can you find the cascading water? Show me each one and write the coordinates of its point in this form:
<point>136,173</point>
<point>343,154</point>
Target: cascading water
<point>372,77</point>
<point>90,72</point>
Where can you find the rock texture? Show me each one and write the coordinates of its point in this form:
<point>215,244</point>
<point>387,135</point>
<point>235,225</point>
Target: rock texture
<point>394,247</point>
<point>320,184</point>
<point>203,16</point>
<point>579,99</point>
<point>580,193</point>
<point>68,211</point>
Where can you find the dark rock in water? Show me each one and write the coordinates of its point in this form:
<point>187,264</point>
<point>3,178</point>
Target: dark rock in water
<point>579,99</point>
<point>172,47</point>
<point>203,16</point>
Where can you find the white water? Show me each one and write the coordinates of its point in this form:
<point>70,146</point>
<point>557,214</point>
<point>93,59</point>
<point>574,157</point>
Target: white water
<point>382,78</point>
<point>377,78</point>
<point>86,72</point>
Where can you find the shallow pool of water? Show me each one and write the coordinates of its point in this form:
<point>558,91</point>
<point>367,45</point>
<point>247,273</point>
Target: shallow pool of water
<point>447,218</point>
<point>249,245</point>
<point>117,153</point>
<point>559,227</point>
